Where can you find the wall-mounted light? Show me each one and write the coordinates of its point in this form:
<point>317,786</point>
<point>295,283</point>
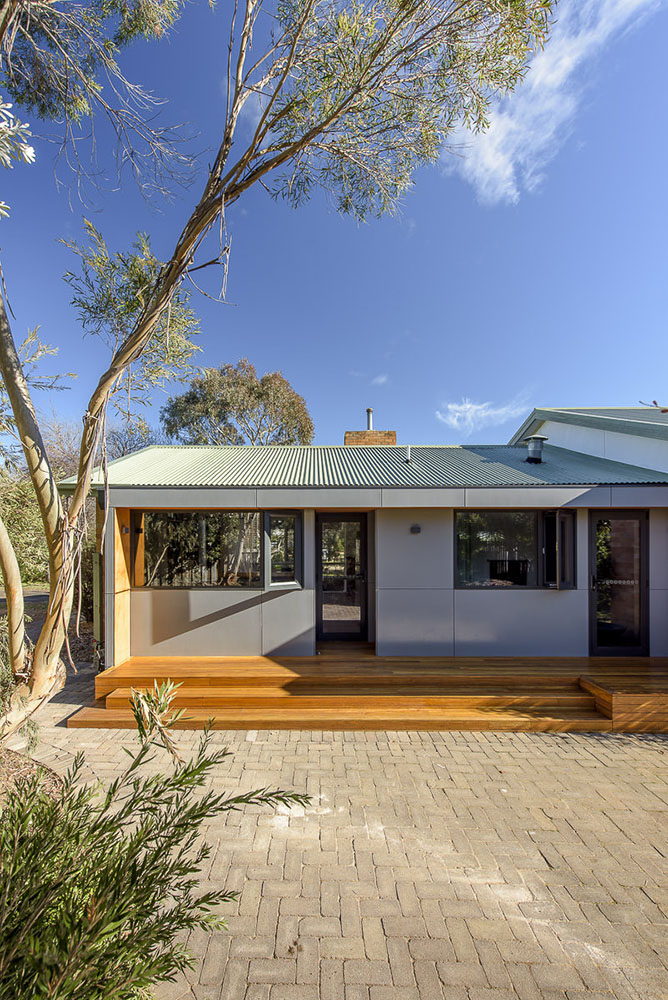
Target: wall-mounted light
<point>415,529</point>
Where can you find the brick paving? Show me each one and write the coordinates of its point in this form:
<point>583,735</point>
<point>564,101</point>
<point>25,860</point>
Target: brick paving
<point>430,866</point>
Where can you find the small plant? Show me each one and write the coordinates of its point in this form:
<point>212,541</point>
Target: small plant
<point>151,710</point>
<point>97,888</point>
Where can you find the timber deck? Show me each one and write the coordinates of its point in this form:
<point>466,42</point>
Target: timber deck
<point>348,687</point>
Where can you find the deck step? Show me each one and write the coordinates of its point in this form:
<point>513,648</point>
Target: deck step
<point>351,718</point>
<point>294,680</point>
<point>367,699</point>
<point>633,706</point>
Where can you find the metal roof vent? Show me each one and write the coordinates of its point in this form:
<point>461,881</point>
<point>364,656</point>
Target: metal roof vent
<point>535,444</point>
<point>369,418</point>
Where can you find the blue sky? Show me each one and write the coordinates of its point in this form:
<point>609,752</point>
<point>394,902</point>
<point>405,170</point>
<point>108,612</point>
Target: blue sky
<point>529,269</point>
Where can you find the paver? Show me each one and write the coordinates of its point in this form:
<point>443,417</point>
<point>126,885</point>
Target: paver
<point>430,866</point>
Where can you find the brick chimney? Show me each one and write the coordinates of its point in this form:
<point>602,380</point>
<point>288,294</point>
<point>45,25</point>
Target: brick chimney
<point>370,436</point>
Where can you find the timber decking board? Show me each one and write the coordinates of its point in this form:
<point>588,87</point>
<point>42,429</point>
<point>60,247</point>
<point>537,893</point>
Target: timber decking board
<point>409,700</point>
<point>633,707</point>
<point>352,688</point>
<point>352,668</point>
<point>337,719</point>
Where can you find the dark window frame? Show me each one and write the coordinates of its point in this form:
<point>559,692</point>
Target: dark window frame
<point>298,582</point>
<point>264,583</point>
<point>539,516</point>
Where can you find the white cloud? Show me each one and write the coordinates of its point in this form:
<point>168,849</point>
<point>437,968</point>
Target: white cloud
<point>528,128</point>
<point>382,379</point>
<point>468,416</point>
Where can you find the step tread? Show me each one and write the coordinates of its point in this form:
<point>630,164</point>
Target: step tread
<point>106,683</point>
<point>423,718</point>
<point>316,698</point>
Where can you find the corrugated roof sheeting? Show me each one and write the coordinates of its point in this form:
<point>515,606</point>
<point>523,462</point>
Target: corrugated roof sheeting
<point>644,421</point>
<point>367,467</point>
<point>642,414</point>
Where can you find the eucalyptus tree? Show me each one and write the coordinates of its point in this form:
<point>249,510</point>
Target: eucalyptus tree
<point>231,405</point>
<point>350,96</point>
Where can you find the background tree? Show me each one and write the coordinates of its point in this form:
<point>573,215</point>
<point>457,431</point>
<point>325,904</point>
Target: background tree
<point>231,405</point>
<point>353,96</point>
<point>124,438</point>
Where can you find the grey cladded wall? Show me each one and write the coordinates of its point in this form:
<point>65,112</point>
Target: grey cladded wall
<point>221,622</point>
<point>658,582</point>
<point>414,608</point>
<point>421,612</point>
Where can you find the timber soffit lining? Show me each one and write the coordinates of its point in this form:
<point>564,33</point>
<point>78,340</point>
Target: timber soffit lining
<point>643,421</point>
<point>365,467</point>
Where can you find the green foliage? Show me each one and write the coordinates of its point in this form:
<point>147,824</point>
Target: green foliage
<point>376,88</point>
<point>97,909</point>
<point>57,53</point>
<point>153,714</point>
<point>20,513</point>
<point>110,292</point>
<point>14,145</point>
<point>231,405</point>
<point>84,589</point>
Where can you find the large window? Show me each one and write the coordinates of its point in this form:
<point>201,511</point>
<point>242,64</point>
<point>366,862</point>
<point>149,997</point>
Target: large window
<point>214,548</point>
<point>505,549</point>
<point>198,549</point>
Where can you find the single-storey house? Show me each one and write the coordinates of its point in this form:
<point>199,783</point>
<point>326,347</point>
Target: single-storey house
<point>554,545</point>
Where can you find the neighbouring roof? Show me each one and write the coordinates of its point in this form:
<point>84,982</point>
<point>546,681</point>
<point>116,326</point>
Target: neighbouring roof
<point>369,467</point>
<point>645,421</point>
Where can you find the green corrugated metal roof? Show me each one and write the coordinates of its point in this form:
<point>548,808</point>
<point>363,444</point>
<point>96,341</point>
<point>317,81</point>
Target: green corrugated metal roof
<point>365,467</point>
<point>646,421</point>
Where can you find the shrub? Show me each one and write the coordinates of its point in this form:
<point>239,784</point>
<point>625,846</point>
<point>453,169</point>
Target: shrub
<point>97,888</point>
<point>85,584</point>
<point>20,512</point>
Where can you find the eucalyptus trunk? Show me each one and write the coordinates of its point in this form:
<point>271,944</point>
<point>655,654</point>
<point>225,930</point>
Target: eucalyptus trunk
<point>47,671</point>
<point>11,577</point>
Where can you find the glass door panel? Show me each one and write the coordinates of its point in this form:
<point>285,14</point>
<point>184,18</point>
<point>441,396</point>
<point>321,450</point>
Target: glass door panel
<point>619,583</point>
<point>342,577</point>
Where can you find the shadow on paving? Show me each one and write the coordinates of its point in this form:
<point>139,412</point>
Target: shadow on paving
<point>429,866</point>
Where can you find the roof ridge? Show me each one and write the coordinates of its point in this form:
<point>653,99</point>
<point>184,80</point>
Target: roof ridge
<point>314,447</point>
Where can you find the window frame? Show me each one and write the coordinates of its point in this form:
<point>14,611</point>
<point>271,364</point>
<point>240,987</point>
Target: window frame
<point>298,582</point>
<point>539,520</point>
<point>566,517</point>
<point>264,584</point>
